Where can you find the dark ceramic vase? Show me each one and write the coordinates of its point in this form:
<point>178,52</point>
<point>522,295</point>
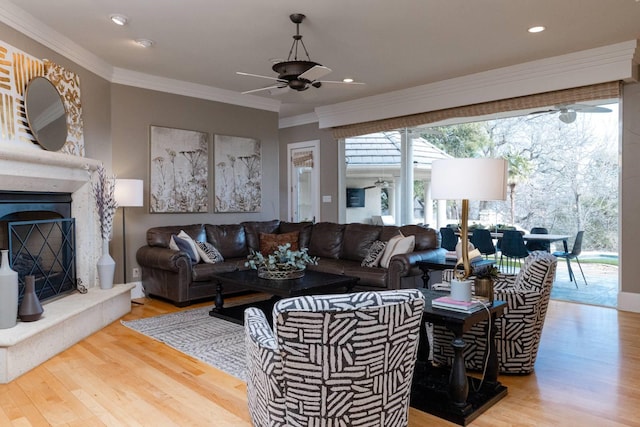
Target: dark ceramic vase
<point>30,308</point>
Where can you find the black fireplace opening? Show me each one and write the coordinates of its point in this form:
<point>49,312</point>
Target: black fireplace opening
<point>39,232</point>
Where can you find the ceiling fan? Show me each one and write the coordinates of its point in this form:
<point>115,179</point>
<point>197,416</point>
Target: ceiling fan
<point>569,112</point>
<point>380,183</point>
<point>294,73</point>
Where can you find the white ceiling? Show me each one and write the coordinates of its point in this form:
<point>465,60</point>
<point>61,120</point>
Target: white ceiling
<point>389,45</point>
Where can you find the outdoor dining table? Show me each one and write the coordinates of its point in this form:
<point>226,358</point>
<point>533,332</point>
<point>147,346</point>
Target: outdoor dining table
<point>547,238</point>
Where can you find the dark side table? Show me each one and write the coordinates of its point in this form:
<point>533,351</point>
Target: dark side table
<point>448,264</point>
<point>449,393</point>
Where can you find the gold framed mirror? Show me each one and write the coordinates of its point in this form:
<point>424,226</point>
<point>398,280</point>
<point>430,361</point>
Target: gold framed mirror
<point>46,114</point>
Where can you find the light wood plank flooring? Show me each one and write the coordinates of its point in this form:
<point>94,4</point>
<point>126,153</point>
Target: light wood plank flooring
<point>587,374</point>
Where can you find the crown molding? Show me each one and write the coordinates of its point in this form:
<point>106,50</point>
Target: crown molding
<point>603,64</point>
<point>179,87</point>
<point>37,30</point>
<point>299,120</point>
<point>31,27</point>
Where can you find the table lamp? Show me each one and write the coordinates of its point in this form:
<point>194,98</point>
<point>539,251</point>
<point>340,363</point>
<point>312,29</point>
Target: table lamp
<point>128,193</point>
<point>468,179</point>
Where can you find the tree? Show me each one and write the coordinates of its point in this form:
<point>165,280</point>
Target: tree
<point>519,170</point>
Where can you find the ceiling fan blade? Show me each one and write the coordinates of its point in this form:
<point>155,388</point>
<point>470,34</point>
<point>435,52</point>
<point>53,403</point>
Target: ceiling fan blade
<point>315,72</point>
<point>260,89</point>
<point>588,108</point>
<point>543,111</point>
<point>260,76</point>
<point>342,83</point>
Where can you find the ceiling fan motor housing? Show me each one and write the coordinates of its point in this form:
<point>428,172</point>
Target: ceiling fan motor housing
<point>291,70</point>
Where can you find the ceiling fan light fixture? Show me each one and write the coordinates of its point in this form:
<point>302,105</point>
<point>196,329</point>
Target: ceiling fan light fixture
<point>568,116</point>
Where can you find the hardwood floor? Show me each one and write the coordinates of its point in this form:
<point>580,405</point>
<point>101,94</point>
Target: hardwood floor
<point>587,374</point>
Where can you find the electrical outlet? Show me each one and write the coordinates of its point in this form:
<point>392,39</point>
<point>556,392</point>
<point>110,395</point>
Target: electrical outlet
<point>135,272</point>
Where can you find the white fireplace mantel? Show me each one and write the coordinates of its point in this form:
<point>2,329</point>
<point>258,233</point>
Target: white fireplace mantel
<point>67,320</point>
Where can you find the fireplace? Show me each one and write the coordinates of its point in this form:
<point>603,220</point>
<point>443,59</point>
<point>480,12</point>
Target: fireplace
<point>39,232</point>
<point>65,320</point>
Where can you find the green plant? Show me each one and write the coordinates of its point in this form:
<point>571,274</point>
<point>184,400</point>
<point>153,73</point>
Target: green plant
<point>488,273</point>
<point>282,259</point>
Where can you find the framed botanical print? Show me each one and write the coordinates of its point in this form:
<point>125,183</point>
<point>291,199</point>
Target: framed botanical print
<point>179,171</point>
<point>238,174</point>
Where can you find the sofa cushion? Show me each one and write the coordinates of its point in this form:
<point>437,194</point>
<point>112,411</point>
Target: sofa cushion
<point>252,230</point>
<point>388,231</point>
<point>358,238</point>
<point>208,253</point>
<point>304,228</point>
<point>397,245</point>
<point>326,240</point>
<point>426,238</point>
<point>269,243</point>
<point>229,239</point>
<point>182,242</point>
<point>376,250</point>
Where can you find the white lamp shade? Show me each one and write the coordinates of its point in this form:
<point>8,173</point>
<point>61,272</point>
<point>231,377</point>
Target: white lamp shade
<point>471,179</point>
<point>129,192</point>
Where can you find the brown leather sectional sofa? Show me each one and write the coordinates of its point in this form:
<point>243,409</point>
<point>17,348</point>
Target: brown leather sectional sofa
<point>340,248</point>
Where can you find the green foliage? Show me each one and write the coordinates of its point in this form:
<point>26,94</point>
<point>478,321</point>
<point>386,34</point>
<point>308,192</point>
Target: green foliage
<point>282,259</point>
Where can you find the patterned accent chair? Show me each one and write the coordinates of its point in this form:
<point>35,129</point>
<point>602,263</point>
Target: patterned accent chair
<point>333,360</point>
<point>518,331</point>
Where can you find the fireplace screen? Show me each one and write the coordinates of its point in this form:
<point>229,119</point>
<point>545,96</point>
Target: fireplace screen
<point>44,249</point>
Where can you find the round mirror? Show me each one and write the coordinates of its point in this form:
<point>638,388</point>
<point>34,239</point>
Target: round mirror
<point>46,114</point>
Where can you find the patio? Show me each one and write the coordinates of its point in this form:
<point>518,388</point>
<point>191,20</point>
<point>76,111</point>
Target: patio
<point>602,288</point>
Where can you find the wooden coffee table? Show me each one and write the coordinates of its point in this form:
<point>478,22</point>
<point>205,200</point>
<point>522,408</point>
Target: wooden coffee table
<point>313,282</point>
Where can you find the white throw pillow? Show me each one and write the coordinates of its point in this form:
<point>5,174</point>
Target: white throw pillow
<point>397,245</point>
<point>384,261</point>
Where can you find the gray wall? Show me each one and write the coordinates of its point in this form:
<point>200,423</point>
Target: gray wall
<point>134,110</point>
<point>95,95</point>
<point>630,198</point>
<point>328,167</point>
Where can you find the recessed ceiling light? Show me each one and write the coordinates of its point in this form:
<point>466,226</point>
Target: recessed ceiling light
<point>119,19</point>
<point>536,29</point>
<point>144,42</point>
<point>348,80</point>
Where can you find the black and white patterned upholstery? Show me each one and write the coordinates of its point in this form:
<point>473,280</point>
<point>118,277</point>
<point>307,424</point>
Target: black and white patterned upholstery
<point>518,331</point>
<point>334,360</point>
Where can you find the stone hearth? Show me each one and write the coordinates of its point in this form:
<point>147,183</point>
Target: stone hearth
<point>74,317</point>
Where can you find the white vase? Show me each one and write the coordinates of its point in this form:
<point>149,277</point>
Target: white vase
<point>106,267</point>
<point>8,293</point>
<point>461,290</point>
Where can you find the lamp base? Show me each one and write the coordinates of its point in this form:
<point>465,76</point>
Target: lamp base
<point>461,290</point>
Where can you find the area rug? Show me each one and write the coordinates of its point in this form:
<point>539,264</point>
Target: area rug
<point>214,341</point>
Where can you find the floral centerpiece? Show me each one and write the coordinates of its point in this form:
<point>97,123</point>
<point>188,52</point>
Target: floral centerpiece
<point>281,264</point>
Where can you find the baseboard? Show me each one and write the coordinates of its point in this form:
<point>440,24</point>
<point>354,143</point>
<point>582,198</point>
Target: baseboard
<point>629,301</point>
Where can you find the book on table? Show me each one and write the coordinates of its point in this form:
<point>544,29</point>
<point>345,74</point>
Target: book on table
<point>448,303</point>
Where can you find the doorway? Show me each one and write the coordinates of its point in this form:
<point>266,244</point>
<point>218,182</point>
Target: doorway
<point>303,159</point>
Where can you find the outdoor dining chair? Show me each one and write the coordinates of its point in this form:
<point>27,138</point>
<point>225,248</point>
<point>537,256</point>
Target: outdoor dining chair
<point>512,249</point>
<point>482,241</point>
<point>449,238</point>
<point>575,251</point>
<point>539,246</point>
